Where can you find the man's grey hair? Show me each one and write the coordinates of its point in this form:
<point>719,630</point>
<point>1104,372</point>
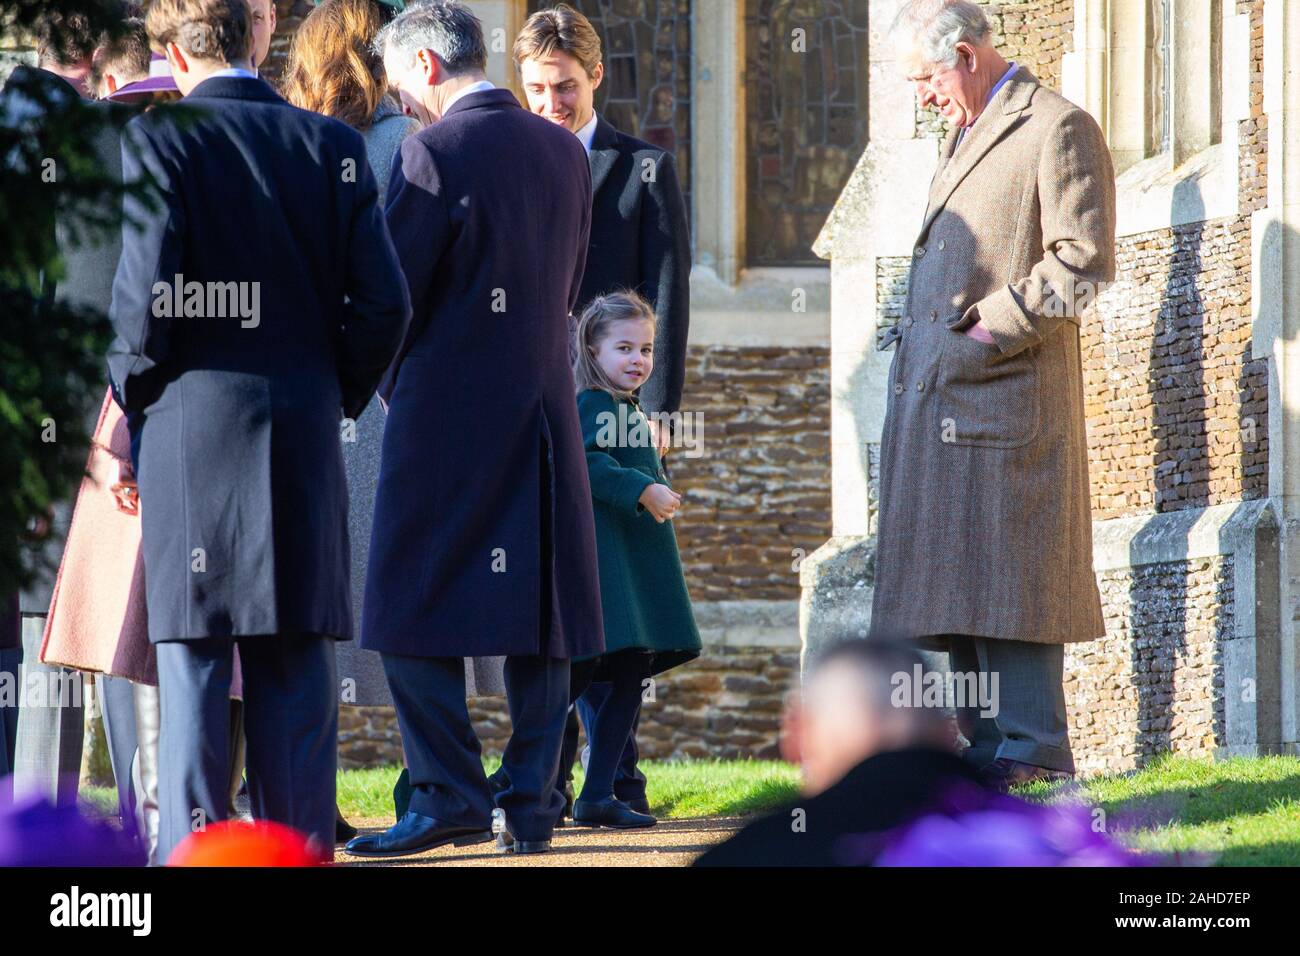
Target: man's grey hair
<point>937,26</point>
<point>446,27</point>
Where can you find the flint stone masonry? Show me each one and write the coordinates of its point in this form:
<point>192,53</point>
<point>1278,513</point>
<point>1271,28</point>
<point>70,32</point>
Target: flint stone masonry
<point>1177,409</point>
<point>1154,683</point>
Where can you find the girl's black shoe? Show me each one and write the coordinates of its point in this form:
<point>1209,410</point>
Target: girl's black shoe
<point>611,813</point>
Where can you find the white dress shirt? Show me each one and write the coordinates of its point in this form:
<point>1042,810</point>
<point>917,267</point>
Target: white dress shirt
<point>478,87</point>
<point>587,133</point>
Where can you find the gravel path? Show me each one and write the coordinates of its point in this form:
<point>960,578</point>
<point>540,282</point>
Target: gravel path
<point>668,843</point>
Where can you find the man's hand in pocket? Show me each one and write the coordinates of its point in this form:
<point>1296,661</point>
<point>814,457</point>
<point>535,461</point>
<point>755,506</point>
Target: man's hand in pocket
<point>980,334</point>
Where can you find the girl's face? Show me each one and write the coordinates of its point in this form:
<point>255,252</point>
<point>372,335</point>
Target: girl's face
<point>626,353</point>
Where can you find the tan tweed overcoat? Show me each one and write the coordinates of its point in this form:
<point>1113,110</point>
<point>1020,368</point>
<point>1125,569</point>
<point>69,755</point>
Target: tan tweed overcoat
<point>985,526</point>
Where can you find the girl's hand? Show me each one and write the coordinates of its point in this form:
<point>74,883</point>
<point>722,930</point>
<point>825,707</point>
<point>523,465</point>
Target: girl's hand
<point>661,501</point>
<point>126,493</point>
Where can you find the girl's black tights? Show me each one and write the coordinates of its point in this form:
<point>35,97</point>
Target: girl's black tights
<point>626,671</point>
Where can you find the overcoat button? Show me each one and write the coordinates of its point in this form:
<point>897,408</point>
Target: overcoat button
<point>934,314</point>
<point>920,386</point>
<point>910,320</point>
<point>920,251</point>
<point>898,389</point>
<point>941,245</point>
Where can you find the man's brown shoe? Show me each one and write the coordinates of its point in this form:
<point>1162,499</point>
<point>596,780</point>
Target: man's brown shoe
<point>1004,773</point>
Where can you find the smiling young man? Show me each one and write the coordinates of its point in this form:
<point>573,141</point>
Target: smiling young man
<point>640,240</point>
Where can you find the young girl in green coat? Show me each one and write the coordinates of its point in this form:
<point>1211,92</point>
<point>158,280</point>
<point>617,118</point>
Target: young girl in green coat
<point>649,625</point>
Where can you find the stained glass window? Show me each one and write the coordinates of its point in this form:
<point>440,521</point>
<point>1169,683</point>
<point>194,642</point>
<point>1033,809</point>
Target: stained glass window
<point>806,119</point>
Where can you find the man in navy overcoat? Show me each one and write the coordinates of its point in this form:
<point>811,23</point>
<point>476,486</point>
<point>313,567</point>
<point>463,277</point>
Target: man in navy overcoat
<point>640,240</point>
<point>483,540</point>
<point>259,304</point>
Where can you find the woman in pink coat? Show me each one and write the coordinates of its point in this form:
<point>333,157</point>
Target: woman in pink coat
<point>98,620</point>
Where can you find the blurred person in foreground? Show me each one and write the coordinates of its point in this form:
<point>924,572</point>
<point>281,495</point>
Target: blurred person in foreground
<point>883,785</point>
<point>868,765</point>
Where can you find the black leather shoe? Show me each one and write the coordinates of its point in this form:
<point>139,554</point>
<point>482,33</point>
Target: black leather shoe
<point>639,804</point>
<point>611,813</point>
<point>1004,773</point>
<point>343,831</point>
<point>415,833</point>
<point>508,844</point>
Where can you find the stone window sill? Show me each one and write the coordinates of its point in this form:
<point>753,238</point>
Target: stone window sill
<point>1151,195</point>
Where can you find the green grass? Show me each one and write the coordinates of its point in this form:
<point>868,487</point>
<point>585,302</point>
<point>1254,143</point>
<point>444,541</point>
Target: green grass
<point>697,788</point>
<point>1239,812</point>
<point>676,789</point>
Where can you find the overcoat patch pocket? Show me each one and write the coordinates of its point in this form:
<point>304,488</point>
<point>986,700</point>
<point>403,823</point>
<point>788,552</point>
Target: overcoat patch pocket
<point>985,398</point>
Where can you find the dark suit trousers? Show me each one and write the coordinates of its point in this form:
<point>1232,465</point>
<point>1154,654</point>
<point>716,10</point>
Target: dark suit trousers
<point>1031,723</point>
<point>443,752</point>
<point>290,723</point>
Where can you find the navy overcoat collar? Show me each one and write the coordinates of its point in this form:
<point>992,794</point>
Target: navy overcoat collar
<point>495,98</point>
<point>235,88</point>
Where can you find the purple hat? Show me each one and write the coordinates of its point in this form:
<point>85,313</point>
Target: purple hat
<point>159,81</point>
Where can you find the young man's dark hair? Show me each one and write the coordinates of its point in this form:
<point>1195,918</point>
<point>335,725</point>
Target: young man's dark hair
<point>127,55</point>
<point>66,38</point>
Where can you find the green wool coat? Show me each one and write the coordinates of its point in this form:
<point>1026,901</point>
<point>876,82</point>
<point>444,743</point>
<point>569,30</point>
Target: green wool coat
<point>642,588</point>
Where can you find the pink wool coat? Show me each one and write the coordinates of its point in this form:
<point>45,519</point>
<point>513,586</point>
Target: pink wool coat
<point>98,619</point>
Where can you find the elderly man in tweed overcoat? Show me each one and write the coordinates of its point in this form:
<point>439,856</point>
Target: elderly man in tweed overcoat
<point>985,540</point>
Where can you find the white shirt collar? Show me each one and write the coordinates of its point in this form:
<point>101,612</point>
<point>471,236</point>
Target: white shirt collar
<point>478,87</point>
<point>588,133</point>
<point>234,71</point>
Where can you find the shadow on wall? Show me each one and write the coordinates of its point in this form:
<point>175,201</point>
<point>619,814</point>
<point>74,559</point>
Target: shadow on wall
<point>1158,600</point>
<point>1165,599</point>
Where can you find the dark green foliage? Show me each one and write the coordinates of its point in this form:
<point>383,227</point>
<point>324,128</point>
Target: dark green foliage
<point>52,371</point>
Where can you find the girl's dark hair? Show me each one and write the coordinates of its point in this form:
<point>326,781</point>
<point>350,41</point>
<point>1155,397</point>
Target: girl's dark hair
<point>602,312</point>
